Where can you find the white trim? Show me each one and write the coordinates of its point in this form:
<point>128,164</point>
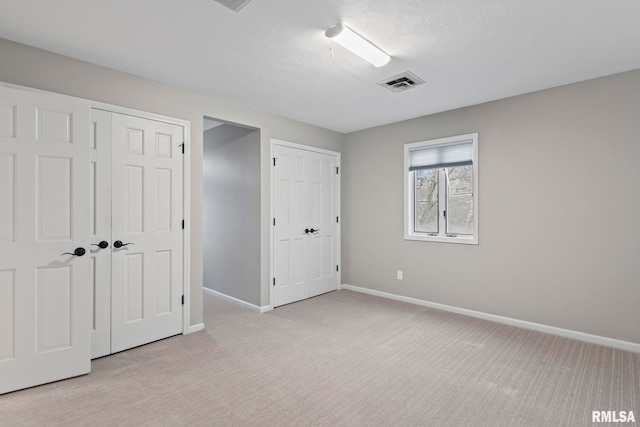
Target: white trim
<point>186,232</point>
<point>138,113</point>
<point>226,297</point>
<point>33,89</point>
<point>567,333</point>
<point>340,219</point>
<point>338,156</point>
<point>302,147</point>
<point>271,216</point>
<point>195,328</point>
<point>265,308</point>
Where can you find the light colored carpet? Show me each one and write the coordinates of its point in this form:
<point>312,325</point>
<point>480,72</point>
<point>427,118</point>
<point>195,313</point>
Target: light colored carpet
<point>341,359</point>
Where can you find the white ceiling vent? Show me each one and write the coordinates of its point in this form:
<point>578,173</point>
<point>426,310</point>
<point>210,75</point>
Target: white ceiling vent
<point>401,82</point>
<point>234,5</point>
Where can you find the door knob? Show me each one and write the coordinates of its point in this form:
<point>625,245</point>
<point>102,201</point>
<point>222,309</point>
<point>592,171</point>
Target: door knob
<point>118,244</point>
<point>314,231</point>
<point>77,252</point>
<point>102,245</point>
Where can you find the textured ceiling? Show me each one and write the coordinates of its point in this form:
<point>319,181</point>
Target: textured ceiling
<point>273,56</point>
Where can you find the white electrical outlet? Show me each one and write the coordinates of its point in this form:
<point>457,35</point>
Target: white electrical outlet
<point>399,275</point>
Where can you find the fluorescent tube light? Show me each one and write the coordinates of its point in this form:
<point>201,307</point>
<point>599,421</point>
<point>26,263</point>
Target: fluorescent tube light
<point>357,44</point>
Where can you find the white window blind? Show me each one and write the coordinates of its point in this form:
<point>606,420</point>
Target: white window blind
<point>441,156</point>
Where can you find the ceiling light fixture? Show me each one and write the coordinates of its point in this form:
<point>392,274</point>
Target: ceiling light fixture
<point>357,44</point>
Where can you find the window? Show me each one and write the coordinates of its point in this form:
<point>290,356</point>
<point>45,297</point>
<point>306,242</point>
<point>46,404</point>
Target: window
<point>441,190</point>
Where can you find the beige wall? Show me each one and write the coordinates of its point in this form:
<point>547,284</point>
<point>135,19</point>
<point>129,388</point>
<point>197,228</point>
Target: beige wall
<point>27,66</point>
<point>559,223</point>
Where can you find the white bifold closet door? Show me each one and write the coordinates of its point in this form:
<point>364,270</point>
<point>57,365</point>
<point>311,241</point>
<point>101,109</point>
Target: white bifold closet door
<point>137,210</point>
<point>44,238</point>
<point>305,198</point>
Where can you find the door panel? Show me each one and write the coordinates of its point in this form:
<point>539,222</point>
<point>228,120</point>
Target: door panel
<point>291,207</point>
<point>163,274</point>
<point>7,195</point>
<point>324,211</point>
<point>134,199</point>
<point>137,287</point>
<point>147,214</point>
<point>53,126</point>
<point>53,308</point>
<point>7,314</point>
<point>164,197</point>
<point>305,197</point>
<point>100,205</point>
<point>45,190</point>
<point>134,294</point>
<point>53,198</point>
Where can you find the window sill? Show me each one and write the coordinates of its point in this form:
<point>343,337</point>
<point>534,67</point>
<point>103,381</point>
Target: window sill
<point>463,240</point>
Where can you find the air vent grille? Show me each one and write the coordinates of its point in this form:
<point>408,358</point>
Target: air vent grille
<point>234,5</point>
<point>401,82</point>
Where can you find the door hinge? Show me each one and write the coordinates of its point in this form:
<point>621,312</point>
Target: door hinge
<point>274,221</point>
<point>274,281</point>
<point>182,145</point>
<point>337,219</point>
<point>337,170</point>
<point>182,299</point>
<point>444,213</point>
<point>274,161</point>
<point>337,268</point>
<point>183,224</point>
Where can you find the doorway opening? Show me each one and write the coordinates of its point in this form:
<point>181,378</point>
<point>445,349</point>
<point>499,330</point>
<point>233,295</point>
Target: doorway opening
<point>231,211</point>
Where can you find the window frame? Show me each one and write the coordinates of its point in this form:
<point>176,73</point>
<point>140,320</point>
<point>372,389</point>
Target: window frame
<point>409,193</point>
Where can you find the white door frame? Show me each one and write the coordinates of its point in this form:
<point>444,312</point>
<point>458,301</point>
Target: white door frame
<point>272,213</point>
<point>186,201</point>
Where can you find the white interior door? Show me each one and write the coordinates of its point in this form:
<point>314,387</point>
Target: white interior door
<point>44,189</point>
<point>146,284</point>
<point>323,212</point>
<point>290,205</point>
<point>305,235</point>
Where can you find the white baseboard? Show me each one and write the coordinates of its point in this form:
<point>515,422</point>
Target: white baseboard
<point>194,328</point>
<point>567,333</point>
<point>250,306</point>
